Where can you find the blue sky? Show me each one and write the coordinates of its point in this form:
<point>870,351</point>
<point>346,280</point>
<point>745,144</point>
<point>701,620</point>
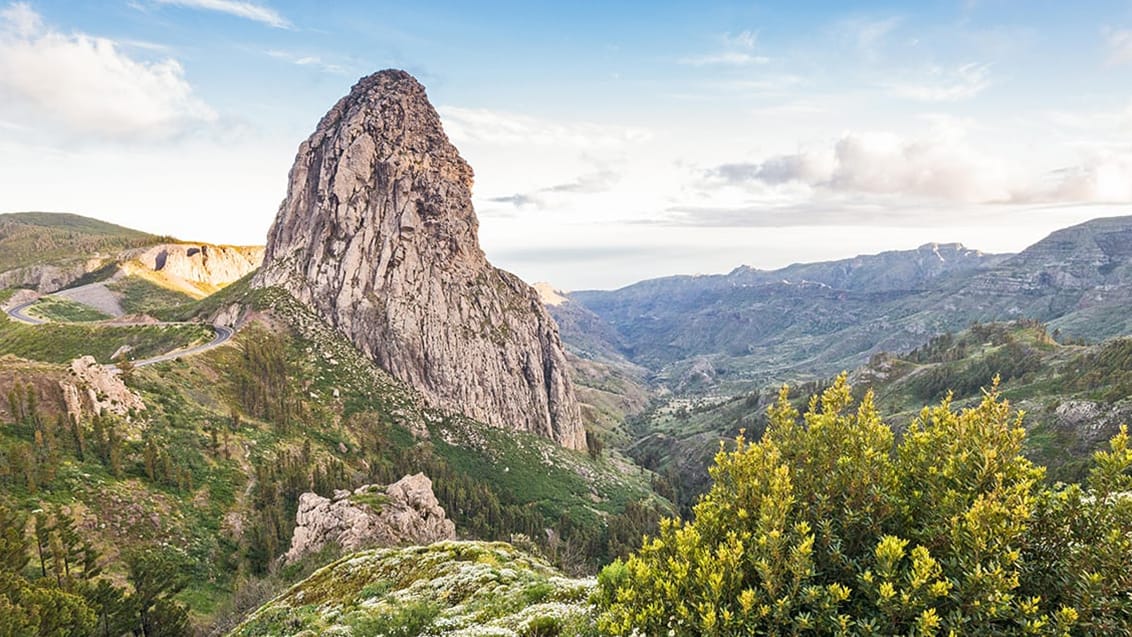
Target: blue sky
<point>612,141</point>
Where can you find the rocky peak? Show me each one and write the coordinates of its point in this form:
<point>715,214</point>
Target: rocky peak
<point>378,235</point>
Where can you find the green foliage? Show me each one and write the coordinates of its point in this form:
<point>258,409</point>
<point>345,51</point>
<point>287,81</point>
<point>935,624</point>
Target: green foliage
<point>56,308</point>
<point>406,620</point>
<point>60,597</point>
<point>261,378</point>
<point>1008,360</point>
<point>1108,368</point>
<point>157,574</point>
<point>139,296</point>
<point>31,238</point>
<point>60,343</point>
<point>830,525</point>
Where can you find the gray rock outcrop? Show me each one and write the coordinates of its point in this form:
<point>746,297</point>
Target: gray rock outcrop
<point>91,388</point>
<point>405,512</point>
<point>47,278</point>
<point>378,235</point>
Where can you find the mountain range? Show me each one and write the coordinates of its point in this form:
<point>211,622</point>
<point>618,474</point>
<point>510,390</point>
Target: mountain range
<point>750,327</point>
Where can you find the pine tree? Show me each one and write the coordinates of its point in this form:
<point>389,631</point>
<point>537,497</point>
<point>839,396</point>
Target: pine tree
<point>14,554</point>
<point>71,541</point>
<point>157,574</point>
<point>79,436</point>
<point>42,539</point>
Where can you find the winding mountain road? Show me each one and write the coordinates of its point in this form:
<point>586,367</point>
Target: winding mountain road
<point>17,313</point>
<point>223,334</point>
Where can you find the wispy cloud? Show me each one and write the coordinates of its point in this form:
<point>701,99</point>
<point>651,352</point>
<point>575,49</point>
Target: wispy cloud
<point>306,60</point>
<point>1119,43</point>
<point>589,183</point>
<point>506,129</point>
<point>868,35</point>
<point>939,84</point>
<point>239,8</point>
<point>1103,176</point>
<point>86,85</point>
<point>736,50</point>
<point>732,58</point>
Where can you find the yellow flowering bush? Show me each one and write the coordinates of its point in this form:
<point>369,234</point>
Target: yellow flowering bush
<point>831,524</point>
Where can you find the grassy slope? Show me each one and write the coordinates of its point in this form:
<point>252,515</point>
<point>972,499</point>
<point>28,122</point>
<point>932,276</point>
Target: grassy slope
<point>60,342</point>
<point>53,308</point>
<point>140,295</point>
<point>33,238</point>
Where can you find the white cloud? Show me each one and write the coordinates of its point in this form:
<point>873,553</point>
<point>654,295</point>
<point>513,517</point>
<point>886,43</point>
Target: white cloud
<point>938,84</point>
<point>501,128</point>
<point>938,166</point>
<point>238,8</point>
<point>884,169</point>
<point>742,40</point>
<point>85,85</point>
<point>1119,43</point>
<point>1101,177</point>
<point>21,19</point>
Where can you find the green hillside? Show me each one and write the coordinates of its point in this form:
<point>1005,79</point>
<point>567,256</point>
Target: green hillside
<point>36,238</point>
<point>208,477</point>
<point>1075,397</point>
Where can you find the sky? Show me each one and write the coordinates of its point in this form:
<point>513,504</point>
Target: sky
<point>611,141</point>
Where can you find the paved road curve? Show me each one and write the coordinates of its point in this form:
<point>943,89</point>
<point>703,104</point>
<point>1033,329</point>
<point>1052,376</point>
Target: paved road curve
<point>17,313</point>
<point>223,333</point>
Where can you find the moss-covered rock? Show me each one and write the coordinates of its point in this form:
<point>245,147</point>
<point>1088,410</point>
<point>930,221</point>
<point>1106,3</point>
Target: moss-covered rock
<point>448,588</point>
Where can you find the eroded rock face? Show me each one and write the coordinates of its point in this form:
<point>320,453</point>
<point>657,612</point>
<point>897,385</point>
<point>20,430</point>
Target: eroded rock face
<point>379,236</point>
<point>405,512</point>
<point>212,265</point>
<point>91,388</point>
<point>49,277</point>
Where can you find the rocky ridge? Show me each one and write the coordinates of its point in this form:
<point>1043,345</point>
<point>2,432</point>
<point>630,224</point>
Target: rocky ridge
<point>378,235</point>
<point>405,512</point>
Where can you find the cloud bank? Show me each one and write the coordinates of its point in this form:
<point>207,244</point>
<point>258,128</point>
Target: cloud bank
<point>86,86</point>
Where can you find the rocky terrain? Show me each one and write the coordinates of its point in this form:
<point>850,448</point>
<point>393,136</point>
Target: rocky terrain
<point>378,235</point>
<point>90,389</point>
<point>405,512</point>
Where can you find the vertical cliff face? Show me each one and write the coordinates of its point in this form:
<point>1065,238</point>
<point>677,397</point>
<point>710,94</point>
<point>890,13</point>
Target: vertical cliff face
<point>379,236</point>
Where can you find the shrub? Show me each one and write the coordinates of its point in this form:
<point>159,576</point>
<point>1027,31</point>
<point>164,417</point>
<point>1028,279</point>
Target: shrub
<point>829,525</point>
